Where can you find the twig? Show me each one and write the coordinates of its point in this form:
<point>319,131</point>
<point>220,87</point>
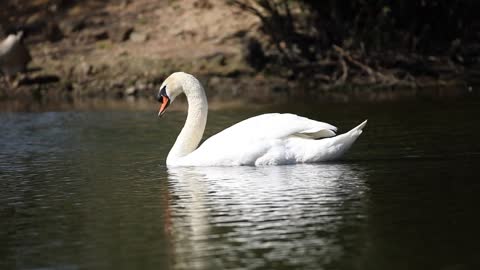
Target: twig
<point>343,65</point>
<point>374,75</point>
<point>350,59</point>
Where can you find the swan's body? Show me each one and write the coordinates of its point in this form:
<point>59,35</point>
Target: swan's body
<point>14,56</point>
<point>268,139</point>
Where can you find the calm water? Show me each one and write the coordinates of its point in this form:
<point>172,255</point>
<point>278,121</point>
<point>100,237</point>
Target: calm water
<point>89,190</point>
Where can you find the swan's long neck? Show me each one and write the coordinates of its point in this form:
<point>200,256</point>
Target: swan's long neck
<point>192,132</point>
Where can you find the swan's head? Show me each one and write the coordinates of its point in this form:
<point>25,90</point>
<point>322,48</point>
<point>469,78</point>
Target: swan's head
<point>169,90</point>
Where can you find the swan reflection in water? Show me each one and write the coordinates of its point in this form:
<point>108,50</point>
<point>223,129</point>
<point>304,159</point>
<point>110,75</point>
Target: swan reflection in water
<point>292,215</point>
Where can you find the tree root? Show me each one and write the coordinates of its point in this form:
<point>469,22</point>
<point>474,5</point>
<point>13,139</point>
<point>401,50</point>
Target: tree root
<point>343,65</point>
<point>374,76</point>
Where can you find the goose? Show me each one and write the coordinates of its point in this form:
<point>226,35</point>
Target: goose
<point>267,139</point>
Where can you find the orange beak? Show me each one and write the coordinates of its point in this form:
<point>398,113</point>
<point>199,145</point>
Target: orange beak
<point>165,102</point>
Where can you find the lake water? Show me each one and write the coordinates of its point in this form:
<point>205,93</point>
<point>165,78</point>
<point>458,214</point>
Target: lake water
<point>89,190</point>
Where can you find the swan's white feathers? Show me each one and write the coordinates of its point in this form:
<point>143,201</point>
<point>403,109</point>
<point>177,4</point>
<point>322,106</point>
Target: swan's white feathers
<point>273,126</point>
<point>316,133</point>
<point>272,139</point>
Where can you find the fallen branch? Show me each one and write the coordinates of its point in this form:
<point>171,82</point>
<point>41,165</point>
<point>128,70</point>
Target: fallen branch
<point>374,75</point>
<point>343,78</point>
<point>347,56</point>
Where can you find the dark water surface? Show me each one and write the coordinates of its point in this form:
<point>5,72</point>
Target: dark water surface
<point>89,190</point>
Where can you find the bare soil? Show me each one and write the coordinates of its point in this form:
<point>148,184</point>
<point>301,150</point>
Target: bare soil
<point>114,49</point>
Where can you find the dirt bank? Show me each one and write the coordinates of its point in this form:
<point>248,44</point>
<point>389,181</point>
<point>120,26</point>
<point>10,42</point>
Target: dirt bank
<point>115,49</point>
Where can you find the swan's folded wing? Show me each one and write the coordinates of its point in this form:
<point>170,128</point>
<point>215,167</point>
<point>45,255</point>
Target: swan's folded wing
<point>272,126</point>
<point>316,133</point>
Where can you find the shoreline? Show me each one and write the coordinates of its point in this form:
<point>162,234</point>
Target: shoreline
<point>238,100</point>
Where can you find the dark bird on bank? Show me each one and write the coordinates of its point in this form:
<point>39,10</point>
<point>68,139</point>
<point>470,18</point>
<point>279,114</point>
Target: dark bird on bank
<point>14,55</point>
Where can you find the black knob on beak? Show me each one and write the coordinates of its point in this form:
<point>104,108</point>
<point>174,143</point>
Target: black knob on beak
<point>161,93</point>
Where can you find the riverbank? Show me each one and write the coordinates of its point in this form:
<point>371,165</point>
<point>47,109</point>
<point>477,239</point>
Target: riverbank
<point>339,96</point>
<point>125,49</point>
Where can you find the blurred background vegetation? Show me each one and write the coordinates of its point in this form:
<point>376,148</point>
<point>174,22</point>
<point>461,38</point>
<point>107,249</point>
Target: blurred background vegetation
<point>388,34</point>
<point>278,44</point>
<point>309,27</point>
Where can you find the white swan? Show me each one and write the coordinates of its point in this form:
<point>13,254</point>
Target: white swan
<point>268,139</point>
<point>14,55</point>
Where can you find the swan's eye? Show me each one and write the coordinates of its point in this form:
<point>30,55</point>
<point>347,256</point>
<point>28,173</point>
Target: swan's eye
<point>162,93</point>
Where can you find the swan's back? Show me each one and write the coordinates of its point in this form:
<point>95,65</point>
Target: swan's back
<point>14,56</point>
<point>269,139</point>
<point>274,126</point>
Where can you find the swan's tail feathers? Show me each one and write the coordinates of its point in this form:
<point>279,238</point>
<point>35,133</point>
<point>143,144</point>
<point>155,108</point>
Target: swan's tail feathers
<point>338,145</point>
<point>358,129</point>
